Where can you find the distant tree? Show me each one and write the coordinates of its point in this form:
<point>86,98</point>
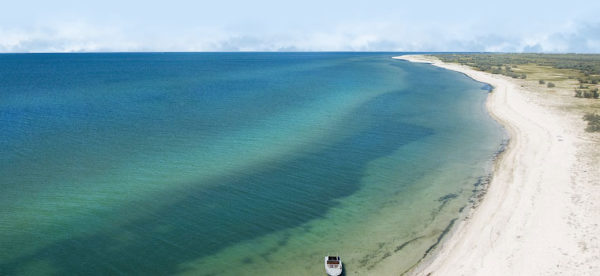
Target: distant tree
<point>523,76</point>
<point>550,85</point>
<point>542,82</point>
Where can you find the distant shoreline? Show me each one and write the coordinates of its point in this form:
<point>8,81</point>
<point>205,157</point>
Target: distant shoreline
<point>525,222</point>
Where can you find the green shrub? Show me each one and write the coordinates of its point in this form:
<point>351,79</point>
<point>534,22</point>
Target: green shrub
<point>550,85</point>
<point>593,93</point>
<point>542,82</point>
<point>593,121</point>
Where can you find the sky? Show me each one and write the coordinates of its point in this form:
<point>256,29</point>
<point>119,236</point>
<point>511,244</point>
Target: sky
<point>309,25</point>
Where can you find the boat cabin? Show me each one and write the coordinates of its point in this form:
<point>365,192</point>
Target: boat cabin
<point>333,261</point>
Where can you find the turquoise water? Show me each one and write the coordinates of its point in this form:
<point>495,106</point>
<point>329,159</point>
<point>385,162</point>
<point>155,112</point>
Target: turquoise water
<point>232,163</point>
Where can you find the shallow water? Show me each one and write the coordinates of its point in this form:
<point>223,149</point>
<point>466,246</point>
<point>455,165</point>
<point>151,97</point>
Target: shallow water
<point>232,163</point>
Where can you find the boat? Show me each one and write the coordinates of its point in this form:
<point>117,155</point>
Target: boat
<point>333,265</point>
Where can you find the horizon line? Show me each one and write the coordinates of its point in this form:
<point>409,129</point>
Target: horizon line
<point>224,52</point>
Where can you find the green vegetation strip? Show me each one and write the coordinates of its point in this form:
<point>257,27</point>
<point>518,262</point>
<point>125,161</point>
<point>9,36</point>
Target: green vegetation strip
<point>588,66</point>
<point>583,67</point>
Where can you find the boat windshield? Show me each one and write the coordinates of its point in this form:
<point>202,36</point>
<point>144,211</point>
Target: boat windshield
<point>333,262</point>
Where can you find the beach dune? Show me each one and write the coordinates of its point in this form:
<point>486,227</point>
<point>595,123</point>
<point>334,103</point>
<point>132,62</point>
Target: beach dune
<point>541,213</point>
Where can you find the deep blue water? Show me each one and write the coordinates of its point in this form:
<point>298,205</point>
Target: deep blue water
<point>140,163</point>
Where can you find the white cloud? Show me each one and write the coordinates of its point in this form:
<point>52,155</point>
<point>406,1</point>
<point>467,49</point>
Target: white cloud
<point>370,36</point>
<point>71,37</point>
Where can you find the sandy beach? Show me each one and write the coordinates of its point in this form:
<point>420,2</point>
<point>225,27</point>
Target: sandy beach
<point>541,212</point>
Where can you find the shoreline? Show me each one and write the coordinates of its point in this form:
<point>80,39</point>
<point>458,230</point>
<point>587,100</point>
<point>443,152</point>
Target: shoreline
<point>537,215</point>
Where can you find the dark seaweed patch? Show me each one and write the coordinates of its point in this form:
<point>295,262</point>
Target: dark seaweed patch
<point>440,237</point>
<point>400,247</point>
<point>447,197</point>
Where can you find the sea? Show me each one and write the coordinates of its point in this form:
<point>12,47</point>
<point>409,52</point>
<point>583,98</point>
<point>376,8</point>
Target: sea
<point>234,163</point>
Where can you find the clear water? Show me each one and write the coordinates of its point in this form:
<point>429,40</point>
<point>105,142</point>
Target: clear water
<point>232,163</point>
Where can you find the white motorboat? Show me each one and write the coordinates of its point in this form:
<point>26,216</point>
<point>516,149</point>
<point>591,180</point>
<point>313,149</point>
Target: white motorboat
<point>333,265</point>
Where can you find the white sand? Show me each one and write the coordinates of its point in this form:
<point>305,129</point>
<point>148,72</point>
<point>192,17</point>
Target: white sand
<point>541,213</point>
